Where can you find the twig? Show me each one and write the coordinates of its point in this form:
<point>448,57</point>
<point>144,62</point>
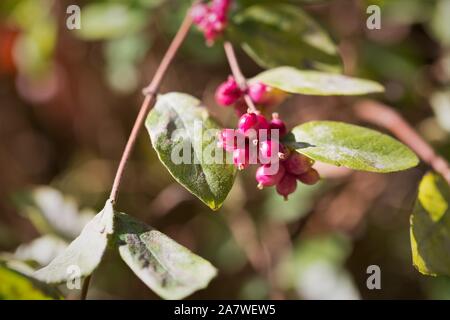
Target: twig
<point>384,116</point>
<point>150,94</point>
<point>237,73</point>
<point>85,288</point>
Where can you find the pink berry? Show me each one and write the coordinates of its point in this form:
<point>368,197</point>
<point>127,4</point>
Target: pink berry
<point>241,158</point>
<point>270,148</point>
<point>297,163</point>
<point>262,124</point>
<point>228,92</point>
<point>277,124</point>
<point>227,139</point>
<point>220,6</point>
<point>199,12</point>
<point>287,185</point>
<point>257,92</point>
<point>310,177</point>
<point>266,179</point>
<point>247,121</point>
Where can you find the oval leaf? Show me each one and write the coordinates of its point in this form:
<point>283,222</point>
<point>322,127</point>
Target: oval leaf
<point>166,267</point>
<point>275,34</point>
<point>84,253</point>
<point>352,146</point>
<point>430,227</point>
<point>317,83</point>
<point>178,126</point>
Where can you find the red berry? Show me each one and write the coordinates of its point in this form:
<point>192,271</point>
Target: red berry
<point>199,12</point>
<point>266,178</point>
<point>287,185</point>
<point>247,121</point>
<point>257,92</point>
<point>241,158</point>
<point>227,139</point>
<point>297,163</point>
<point>310,177</point>
<point>228,92</point>
<point>220,6</point>
<point>271,148</point>
<point>262,124</point>
<point>277,124</point>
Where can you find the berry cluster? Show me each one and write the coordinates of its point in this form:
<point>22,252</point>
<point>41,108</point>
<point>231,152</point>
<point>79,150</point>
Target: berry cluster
<point>255,130</point>
<point>229,93</point>
<point>211,19</point>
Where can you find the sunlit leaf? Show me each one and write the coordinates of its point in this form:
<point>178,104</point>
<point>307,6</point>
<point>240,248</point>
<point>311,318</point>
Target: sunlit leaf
<point>51,212</point>
<point>439,21</point>
<point>430,227</point>
<point>109,20</point>
<point>352,146</point>
<point>184,137</point>
<point>316,83</point>
<point>166,267</point>
<point>440,102</point>
<point>17,286</point>
<point>315,269</point>
<point>84,253</point>
<point>275,34</point>
<point>41,250</point>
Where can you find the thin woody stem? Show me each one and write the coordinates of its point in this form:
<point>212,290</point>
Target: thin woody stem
<point>150,96</point>
<point>384,116</point>
<point>237,73</point>
<point>85,288</point>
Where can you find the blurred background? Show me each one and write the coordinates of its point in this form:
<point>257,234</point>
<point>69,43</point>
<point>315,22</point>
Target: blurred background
<point>68,99</point>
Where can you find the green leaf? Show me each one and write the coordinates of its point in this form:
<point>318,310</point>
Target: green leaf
<point>315,269</point>
<point>430,227</point>
<point>178,125</point>
<point>352,146</point>
<point>52,212</point>
<point>85,252</point>
<point>109,20</point>
<point>166,267</point>
<point>292,80</point>
<point>15,285</point>
<point>41,250</point>
<point>275,34</point>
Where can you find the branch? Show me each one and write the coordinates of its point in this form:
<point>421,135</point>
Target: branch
<point>237,73</point>
<point>384,116</point>
<point>85,288</point>
<point>150,94</point>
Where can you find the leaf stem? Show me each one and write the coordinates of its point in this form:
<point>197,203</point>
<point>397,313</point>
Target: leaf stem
<point>237,73</point>
<point>150,93</point>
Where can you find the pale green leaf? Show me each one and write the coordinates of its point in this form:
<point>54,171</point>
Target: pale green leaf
<point>85,252</point>
<point>180,128</point>
<point>352,146</point>
<point>275,34</point>
<point>52,212</point>
<point>15,285</point>
<point>166,267</point>
<point>41,250</point>
<point>292,80</point>
<point>430,227</point>
<point>109,20</point>
<point>315,269</point>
